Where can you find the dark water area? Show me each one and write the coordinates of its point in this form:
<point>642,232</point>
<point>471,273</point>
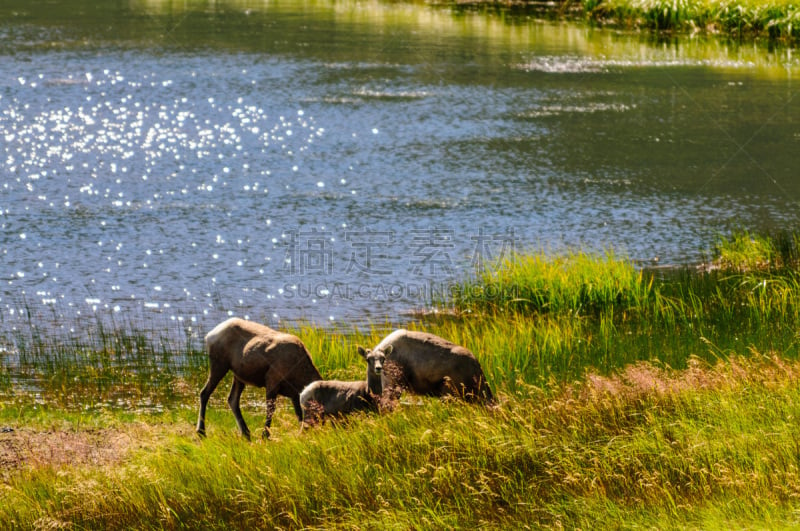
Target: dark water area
<point>340,162</point>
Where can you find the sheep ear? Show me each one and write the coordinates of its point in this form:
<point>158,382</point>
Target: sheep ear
<point>362,352</point>
<point>388,350</point>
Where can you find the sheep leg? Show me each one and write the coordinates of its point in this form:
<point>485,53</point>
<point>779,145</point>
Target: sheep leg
<point>446,387</point>
<point>233,402</point>
<point>272,397</point>
<point>297,409</point>
<point>215,375</point>
<point>272,385</point>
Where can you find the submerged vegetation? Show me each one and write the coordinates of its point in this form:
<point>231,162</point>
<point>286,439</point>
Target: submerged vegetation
<point>654,397</point>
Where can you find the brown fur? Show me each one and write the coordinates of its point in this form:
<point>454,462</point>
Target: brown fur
<point>335,398</point>
<point>258,356</point>
<point>426,364</point>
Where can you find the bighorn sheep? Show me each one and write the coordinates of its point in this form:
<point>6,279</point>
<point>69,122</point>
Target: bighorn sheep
<point>426,364</point>
<point>334,398</point>
<point>259,356</point>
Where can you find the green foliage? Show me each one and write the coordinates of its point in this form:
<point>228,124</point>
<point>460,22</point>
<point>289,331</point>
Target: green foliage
<point>536,317</point>
<point>744,252</point>
<point>665,14</point>
<point>576,283</point>
<point>776,19</point>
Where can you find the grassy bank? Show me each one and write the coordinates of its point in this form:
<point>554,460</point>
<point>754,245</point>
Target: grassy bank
<point>712,446</point>
<point>773,19</point>
<point>748,19</point>
<point>663,398</point>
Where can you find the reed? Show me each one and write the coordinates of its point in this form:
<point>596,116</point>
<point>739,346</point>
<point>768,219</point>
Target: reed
<point>532,320</point>
<point>773,19</point>
<point>554,316</point>
<point>576,282</point>
<point>101,365</point>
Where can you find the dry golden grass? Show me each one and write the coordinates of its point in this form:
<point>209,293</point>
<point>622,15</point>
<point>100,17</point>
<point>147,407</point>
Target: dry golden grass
<point>29,448</point>
<point>708,444</point>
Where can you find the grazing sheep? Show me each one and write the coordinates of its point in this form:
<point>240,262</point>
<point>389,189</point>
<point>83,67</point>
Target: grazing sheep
<point>334,398</point>
<point>259,356</point>
<point>426,364</point>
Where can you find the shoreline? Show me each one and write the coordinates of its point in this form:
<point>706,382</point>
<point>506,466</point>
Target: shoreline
<point>773,21</point>
<point>612,385</point>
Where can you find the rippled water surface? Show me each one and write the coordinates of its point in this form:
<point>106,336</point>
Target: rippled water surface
<point>338,161</point>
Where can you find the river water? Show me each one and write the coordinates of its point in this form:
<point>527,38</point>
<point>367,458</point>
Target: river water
<point>340,162</point>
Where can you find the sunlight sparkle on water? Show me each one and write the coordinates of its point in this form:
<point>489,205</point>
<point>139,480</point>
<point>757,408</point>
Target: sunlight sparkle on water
<point>98,149</point>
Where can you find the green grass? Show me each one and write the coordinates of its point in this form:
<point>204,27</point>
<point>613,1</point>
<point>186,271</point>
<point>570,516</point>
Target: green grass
<point>580,310</point>
<point>776,20</point>
<point>711,446</point>
<point>576,283</point>
<point>662,398</point>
